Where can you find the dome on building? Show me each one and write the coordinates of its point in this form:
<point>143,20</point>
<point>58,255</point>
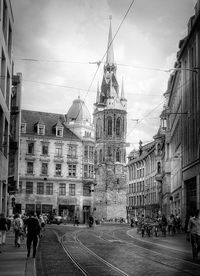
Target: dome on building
<point>78,112</point>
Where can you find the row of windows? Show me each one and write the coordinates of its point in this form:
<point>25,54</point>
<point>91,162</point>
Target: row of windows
<point>142,200</point>
<point>136,187</point>
<point>72,150</point>
<point>111,126</point>
<point>72,169</point>
<point>112,155</point>
<point>48,189</point>
<point>40,129</point>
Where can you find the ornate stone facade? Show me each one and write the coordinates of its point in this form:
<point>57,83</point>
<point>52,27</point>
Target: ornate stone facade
<point>110,136</point>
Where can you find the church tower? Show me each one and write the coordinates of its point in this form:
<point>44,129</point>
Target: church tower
<point>110,121</point>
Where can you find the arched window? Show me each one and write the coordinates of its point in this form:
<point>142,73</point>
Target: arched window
<point>118,126</point>
<point>100,155</point>
<point>118,155</point>
<point>98,128</point>
<point>109,126</point>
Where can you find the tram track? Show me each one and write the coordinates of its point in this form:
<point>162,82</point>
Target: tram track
<point>112,237</point>
<point>106,252</point>
<point>78,253</point>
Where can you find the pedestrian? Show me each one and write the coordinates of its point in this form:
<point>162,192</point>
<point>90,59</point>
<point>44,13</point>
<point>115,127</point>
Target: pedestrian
<point>3,230</point>
<point>18,229</point>
<point>76,221</point>
<point>90,221</point>
<point>163,225</point>
<point>193,233</point>
<point>33,228</point>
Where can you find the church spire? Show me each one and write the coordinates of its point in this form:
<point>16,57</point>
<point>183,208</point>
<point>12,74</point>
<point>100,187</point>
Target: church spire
<point>122,90</point>
<point>98,94</point>
<point>110,52</point>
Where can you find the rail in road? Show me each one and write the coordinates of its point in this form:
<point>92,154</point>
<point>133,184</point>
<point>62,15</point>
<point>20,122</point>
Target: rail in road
<point>86,260</point>
<point>105,251</point>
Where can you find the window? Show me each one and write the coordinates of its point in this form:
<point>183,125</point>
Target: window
<point>72,151</point>
<point>58,150</point>
<point>40,188</point>
<point>44,168</point>
<point>91,153</point>
<point>30,148</point>
<point>98,128</point>
<point>29,187</point>
<point>62,189</point>
<point>59,131</point>
<point>72,170</point>
<point>88,171</point>
<point>30,167</point>
<point>72,189</point>
<point>117,155</point>
<point>86,190</point>
<point>20,187</point>
<point>86,152</point>
<point>58,169</point>
<point>40,129</point>
<point>49,188</point>
<point>109,126</point>
<point>44,149</point>
<point>118,125</point>
<point>23,127</point>
<point>100,155</point>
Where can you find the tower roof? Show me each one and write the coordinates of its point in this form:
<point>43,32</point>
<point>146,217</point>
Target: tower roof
<point>78,112</point>
<point>110,52</point>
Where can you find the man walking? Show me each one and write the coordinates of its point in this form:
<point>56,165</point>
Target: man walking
<point>33,230</point>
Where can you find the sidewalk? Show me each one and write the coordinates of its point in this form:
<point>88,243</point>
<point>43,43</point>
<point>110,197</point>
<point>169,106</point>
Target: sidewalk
<point>13,260</point>
<point>177,242</point>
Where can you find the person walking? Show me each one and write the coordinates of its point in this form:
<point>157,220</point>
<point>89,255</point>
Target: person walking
<point>33,228</point>
<point>3,230</point>
<point>18,229</point>
<point>90,221</point>
<point>193,233</point>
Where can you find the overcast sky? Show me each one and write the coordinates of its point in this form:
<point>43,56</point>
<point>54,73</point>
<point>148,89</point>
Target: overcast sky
<point>64,36</point>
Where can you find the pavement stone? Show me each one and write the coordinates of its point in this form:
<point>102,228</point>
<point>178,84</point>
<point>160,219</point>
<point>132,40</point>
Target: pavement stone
<point>13,260</point>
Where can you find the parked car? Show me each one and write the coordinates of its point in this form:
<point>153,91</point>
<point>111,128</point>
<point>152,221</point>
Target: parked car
<point>57,220</point>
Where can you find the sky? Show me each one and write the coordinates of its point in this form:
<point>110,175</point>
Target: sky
<point>57,42</point>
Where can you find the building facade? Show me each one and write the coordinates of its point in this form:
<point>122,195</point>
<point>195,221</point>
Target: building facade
<point>53,177</point>
<point>110,136</point>
<point>6,30</point>
<point>189,59</point>
<point>143,189</point>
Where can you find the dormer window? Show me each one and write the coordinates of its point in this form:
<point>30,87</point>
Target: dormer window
<point>23,127</point>
<point>40,129</point>
<point>59,131</point>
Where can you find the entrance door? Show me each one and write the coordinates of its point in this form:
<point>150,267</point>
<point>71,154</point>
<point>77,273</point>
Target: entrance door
<point>86,213</point>
<point>67,210</point>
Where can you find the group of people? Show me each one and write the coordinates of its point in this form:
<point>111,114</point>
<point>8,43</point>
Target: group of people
<point>30,226</point>
<point>147,225</point>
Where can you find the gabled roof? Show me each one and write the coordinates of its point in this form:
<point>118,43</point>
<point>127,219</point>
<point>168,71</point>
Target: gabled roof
<point>49,120</point>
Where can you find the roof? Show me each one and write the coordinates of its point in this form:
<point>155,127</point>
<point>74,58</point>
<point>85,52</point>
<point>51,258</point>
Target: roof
<point>50,120</point>
<point>78,112</point>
